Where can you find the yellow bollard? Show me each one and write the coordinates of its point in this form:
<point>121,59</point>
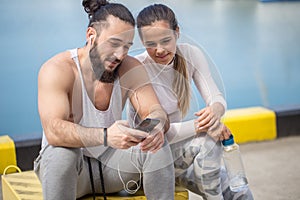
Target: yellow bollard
<point>251,124</point>
<point>7,154</point>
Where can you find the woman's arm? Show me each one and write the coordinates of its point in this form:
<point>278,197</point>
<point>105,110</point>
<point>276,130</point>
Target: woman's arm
<point>200,67</point>
<point>181,131</point>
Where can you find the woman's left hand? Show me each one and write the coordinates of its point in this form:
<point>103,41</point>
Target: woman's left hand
<point>209,120</point>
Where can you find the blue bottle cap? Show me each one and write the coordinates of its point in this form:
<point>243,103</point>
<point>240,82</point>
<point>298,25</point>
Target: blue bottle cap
<point>229,141</point>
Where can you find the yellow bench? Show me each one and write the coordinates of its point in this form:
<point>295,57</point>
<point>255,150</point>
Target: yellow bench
<point>26,185</point>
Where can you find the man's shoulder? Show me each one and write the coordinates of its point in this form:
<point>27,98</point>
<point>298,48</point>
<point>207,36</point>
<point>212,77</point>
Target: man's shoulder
<point>130,60</point>
<point>129,63</point>
<point>63,58</point>
<point>59,62</point>
<point>58,67</point>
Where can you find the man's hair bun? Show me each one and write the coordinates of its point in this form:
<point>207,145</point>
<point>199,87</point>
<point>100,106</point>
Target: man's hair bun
<point>91,6</point>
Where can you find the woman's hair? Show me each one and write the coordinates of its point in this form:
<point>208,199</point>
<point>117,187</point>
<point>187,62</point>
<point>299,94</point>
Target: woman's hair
<point>99,10</point>
<point>181,85</point>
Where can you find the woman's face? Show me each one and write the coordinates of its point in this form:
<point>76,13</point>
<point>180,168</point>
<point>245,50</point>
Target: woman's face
<point>160,41</point>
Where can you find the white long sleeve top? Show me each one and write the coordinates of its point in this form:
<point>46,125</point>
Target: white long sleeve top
<point>161,76</point>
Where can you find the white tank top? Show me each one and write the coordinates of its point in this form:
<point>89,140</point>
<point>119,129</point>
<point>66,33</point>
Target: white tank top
<point>91,116</point>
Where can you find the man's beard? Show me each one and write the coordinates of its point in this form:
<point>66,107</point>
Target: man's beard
<point>101,74</point>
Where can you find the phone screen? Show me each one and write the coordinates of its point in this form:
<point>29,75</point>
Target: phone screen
<point>148,124</point>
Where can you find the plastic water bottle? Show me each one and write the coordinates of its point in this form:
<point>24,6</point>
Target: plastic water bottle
<point>234,165</point>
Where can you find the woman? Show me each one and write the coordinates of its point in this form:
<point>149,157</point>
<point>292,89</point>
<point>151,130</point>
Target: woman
<point>171,68</point>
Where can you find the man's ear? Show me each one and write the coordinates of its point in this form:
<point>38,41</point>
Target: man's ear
<point>91,34</point>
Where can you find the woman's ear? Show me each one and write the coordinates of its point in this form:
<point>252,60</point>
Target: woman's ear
<point>177,32</point>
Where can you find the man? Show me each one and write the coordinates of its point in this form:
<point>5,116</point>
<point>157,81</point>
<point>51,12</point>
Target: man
<point>81,94</point>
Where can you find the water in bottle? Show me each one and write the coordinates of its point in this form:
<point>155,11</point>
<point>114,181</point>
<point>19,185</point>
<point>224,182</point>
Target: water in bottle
<point>234,165</point>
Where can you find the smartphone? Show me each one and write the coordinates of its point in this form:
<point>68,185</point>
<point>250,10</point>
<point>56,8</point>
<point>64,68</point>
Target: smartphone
<point>147,125</point>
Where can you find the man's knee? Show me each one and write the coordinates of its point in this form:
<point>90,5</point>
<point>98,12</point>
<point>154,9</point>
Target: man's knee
<point>159,160</point>
<point>60,159</point>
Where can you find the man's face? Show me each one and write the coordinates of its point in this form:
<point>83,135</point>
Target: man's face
<point>110,48</point>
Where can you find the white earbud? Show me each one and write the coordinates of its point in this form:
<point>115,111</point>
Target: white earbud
<point>90,38</point>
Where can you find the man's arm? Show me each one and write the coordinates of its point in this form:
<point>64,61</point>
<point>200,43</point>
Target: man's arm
<point>145,102</point>
<point>54,85</point>
<point>135,80</point>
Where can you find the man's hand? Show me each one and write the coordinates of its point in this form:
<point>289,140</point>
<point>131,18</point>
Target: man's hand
<point>120,136</point>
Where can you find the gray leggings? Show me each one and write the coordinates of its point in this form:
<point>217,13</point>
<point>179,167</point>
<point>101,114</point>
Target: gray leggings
<point>64,172</point>
<point>198,168</point>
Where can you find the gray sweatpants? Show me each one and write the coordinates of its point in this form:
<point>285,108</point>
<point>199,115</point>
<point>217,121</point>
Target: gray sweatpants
<point>198,168</point>
<point>64,172</point>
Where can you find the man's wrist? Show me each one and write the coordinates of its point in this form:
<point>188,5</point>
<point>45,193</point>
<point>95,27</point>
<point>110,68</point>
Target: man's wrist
<point>105,137</point>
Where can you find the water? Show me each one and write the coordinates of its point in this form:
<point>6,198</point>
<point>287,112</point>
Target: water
<point>255,46</point>
<point>238,183</point>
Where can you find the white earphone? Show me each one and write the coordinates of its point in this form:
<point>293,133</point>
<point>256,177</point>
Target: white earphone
<point>90,38</point>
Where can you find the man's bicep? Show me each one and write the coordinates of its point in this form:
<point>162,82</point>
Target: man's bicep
<point>53,104</point>
<point>144,100</point>
<point>53,100</point>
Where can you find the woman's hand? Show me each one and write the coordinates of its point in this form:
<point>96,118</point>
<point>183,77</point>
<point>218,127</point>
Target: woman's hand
<point>154,141</point>
<point>208,120</point>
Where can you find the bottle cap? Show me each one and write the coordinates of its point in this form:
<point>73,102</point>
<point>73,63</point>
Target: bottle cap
<point>229,141</point>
